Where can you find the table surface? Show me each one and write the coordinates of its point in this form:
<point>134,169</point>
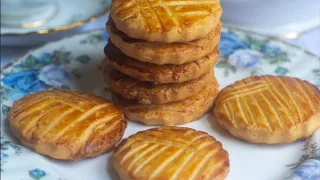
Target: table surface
<point>309,41</point>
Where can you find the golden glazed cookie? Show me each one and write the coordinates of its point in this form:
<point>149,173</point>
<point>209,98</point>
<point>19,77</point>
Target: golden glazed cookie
<point>269,109</point>
<point>67,125</point>
<point>160,74</point>
<point>166,21</point>
<point>180,112</point>
<point>164,53</point>
<point>151,93</point>
<point>176,153</point>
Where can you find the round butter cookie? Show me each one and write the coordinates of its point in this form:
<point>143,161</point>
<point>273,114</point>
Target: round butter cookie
<point>164,53</point>
<point>269,109</point>
<point>67,125</point>
<point>174,113</point>
<point>177,153</point>
<point>151,93</point>
<point>168,73</point>
<point>166,21</point>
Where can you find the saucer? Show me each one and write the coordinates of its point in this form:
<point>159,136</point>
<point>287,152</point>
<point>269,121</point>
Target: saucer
<point>67,16</point>
<point>285,19</point>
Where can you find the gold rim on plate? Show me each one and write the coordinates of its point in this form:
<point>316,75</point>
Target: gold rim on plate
<point>61,28</point>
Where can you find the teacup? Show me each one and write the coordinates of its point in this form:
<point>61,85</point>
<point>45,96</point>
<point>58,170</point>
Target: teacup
<point>26,13</point>
<point>282,18</point>
<point>269,12</point>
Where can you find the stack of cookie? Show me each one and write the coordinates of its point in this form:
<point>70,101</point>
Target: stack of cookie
<point>160,58</point>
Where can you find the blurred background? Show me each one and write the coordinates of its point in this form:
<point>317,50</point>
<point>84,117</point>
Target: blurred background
<point>27,24</point>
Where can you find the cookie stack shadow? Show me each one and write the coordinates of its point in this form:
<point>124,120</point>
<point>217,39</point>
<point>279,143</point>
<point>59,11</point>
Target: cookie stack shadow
<point>167,81</point>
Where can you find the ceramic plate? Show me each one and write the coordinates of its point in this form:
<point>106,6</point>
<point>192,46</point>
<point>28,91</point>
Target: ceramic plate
<point>73,63</point>
<point>68,15</point>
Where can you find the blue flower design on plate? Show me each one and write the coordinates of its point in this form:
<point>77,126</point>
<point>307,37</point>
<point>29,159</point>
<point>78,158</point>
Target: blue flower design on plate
<point>37,174</point>
<point>45,58</point>
<point>265,49</point>
<point>54,75</point>
<point>31,81</point>
<point>281,71</point>
<point>316,71</point>
<point>245,59</point>
<point>309,170</point>
<point>105,36</point>
<point>83,59</point>
<point>4,155</point>
<point>229,43</point>
<point>23,82</point>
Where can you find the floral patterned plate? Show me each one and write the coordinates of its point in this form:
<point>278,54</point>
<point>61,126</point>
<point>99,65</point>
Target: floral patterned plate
<point>73,63</point>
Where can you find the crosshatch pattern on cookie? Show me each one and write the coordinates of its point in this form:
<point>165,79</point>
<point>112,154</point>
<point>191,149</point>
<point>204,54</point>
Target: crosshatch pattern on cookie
<point>172,153</point>
<point>268,102</point>
<point>164,15</point>
<point>66,119</point>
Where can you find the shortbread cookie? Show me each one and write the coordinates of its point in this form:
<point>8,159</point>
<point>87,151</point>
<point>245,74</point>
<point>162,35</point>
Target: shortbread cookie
<point>157,73</point>
<point>180,112</point>
<point>151,93</point>
<point>164,53</point>
<point>177,153</point>
<point>269,109</point>
<point>166,21</point>
<point>67,125</point>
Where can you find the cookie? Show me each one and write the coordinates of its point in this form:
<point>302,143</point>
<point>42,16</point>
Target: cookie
<point>67,125</point>
<point>160,74</point>
<point>269,109</point>
<point>180,112</point>
<point>151,93</point>
<point>171,153</point>
<point>166,21</point>
<point>164,53</point>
